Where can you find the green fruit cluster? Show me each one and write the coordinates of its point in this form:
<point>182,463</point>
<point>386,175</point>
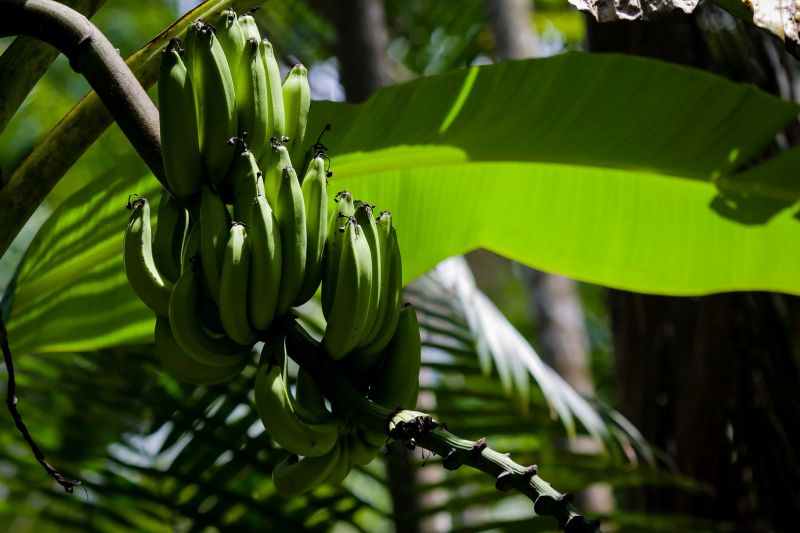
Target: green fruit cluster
<point>241,239</point>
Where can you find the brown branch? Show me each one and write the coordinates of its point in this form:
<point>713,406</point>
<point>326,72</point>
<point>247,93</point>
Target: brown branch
<point>26,60</point>
<point>11,402</point>
<point>424,432</point>
<point>91,54</point>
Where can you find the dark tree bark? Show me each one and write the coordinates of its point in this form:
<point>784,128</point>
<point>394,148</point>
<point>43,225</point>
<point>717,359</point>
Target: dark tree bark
<point>712,381</point>
<point>362,39</point>
<point>511,22</point>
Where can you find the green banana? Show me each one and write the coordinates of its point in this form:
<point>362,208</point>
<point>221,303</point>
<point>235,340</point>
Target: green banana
<point>375,439</point>
<point>140,267</point>
<point>367,223</point>
<point>231,39</point>
<point>247,184</point>
<point>284,195</point>
<point>273,169</point>
<point>188,328</point>
<point>191,245</point>
<point>315,198</point>
<point>209,312</point>
<point>191,38</point>
<point>394,292</point>
<point>277,118</point>
<point>249,27</point>
<point>309,400</point>
<point>296,103</point>
<point>342,467</point>
<point>383,223</point>
<point>351,298</point>
<point>214,233</point>
<point>333,246</point>
<point>216,99</point>
<point>252,98</point>
<point>179,137</point>
<point>293,476</point>
<point>398,382</point>
<point>265,265</point>
<point>171,230</point>
<point>276,408</point>
<point>233,287</point>
<point>361,452</point>
<point>187,369</point>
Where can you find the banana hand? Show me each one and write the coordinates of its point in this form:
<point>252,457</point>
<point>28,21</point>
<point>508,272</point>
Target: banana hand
<point>138,261</point>
<point>184,367</point>
<point>276,409</point>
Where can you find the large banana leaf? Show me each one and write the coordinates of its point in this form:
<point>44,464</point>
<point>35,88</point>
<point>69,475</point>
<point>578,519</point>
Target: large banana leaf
<point>610,169</point>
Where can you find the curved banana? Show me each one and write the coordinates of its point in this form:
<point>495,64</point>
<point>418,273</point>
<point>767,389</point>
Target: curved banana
<point>216,99</point>
<point>333,247</point>
<point>351,298</point>
<point>137,258</point>
<point>252,97</point>
<point>394,292</point>
<point>309,400</point>
<point>296,103</point>
<point>361,451</point>
<point>247,184</point>
<point>179,136</point>
<point>209,312</point>
<point>275,162</point>
<point>398,382</point>
<point>383,223</point>
<point>293,476</point>
<point>367,223</point>
<point>276,410</point>
<point>343,465</point>
<point>191,245</point>
<point>265,265</point>
<point>188,59</point>
<point>231,39</point>
<point>188,328</point>
<point>286,198</point>
<point>214,233</point>
<point>276,126</point>
<point>233,287</point>
<point>315,198</point>
<point>187,369</point>
<point>171,230</point>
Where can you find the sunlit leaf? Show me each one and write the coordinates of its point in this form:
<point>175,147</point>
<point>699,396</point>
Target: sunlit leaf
<point>607,169</point>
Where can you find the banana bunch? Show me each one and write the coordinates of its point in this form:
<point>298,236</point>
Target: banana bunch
<point>232,249</point>
<point>323,449</point>
<point>244,234</point>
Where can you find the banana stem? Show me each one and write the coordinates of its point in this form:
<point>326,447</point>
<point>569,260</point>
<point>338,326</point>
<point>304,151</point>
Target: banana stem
<point>92,55</point>
<point>434,437</point>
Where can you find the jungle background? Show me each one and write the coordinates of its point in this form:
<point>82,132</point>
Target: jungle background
<point>685,417</point>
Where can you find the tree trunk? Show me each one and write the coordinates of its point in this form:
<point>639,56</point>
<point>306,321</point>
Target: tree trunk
<point>711,381</point>
<point>362,40</point>
<point>557,312</point>
<point>512,27</point>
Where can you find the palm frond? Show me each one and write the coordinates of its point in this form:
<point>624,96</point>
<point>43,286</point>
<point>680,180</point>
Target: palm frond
<point>456,316</point>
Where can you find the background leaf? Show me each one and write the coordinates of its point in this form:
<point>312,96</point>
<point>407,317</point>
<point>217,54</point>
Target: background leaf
<point>72,278</point>
<point>587,170</point>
